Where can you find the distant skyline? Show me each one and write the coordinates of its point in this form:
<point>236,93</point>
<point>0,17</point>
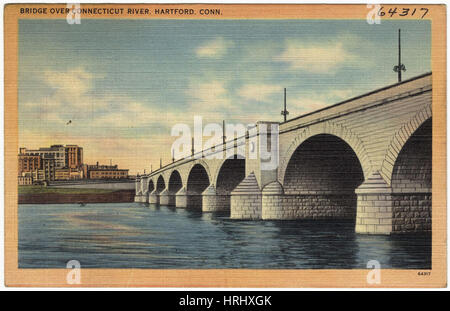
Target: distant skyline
<point>123,83</point>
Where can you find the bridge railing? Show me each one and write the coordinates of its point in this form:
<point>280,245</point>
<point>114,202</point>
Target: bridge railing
<point>306,120</point>
<point>218,148</point>
<point>353,99</point>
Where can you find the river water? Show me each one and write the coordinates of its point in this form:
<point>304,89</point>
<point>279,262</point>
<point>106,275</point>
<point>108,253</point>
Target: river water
<point>134,235</point>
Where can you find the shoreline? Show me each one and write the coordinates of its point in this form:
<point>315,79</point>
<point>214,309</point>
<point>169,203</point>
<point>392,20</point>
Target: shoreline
<point>120,196</point>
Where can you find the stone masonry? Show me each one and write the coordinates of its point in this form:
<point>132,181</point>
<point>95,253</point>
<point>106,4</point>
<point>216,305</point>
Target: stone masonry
<point>246,199</point>
<point>213,202</point>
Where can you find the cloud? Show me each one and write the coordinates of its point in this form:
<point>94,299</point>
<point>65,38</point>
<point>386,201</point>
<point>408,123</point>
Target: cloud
<point>208,95</point>
<point>315,57</point>
<point>215,48</point>
<point>260,92</point>
<point>68,94</point>
<point>74,81</point>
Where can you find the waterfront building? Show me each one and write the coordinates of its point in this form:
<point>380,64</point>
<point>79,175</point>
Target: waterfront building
<point>38,175</point>
<point>68,174</point>
<point>74,156</point>
<point>48,166</point>
<point>28,163</point>
<point>58,162</point>
<point>61,162</point>
<point>104,172</point>
<point>56,152</point>
<point>26,179</point>
<point>62,174</point>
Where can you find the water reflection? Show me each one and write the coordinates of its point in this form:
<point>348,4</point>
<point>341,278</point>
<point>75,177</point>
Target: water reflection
<point>150,236</point>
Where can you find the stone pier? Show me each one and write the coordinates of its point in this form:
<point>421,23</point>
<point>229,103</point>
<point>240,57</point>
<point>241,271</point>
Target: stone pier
<point>374,206</point>
<point>214,202</point>
<point>272,202</point>
<point>381,211</point>
<point>246,199</point>
<point>153,197</point>
<point>166,198</point>
<point>140,198</point>
<point>181,198</point>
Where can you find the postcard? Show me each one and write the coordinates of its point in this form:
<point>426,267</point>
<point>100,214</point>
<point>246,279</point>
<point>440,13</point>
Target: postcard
<point>225,145</point>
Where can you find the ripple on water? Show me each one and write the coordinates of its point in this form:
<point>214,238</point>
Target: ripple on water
<point>132,235</point>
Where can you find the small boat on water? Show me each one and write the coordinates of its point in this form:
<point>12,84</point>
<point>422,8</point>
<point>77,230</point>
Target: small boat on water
<point>82,204</point>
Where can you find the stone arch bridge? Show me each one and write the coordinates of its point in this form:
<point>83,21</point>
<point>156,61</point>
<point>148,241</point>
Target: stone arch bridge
<point>366,159</point>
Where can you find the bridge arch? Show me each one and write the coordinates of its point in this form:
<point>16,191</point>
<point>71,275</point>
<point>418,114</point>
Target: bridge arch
<point>412,168</point>
<point>175,182</point>
<point>160,184</point>
<point>191,165</point>
<point>197,182</point>
<point>411,182</point>
<point>151,186</point>
<point>321,178</point>
<point>198,179</point>
<point>400,139</point>
<point>338,131</point>
<point>229,174</point>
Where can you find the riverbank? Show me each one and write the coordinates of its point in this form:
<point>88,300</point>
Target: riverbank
<point>48,195</point>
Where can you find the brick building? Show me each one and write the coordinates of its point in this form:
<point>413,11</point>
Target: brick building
<point>61,163</point>
<point>55,163</point>
<point>74,156</point>
<point>55,152</point>
<point>29,163</point>
<point>68,174</point>
<point>104,172</point>
<point>25,179</point>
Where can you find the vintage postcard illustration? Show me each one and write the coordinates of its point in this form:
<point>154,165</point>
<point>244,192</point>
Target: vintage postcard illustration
<point>213,145</point>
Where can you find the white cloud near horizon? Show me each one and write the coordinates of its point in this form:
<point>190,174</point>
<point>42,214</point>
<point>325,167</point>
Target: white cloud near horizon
<point>215,48</point>
<point>319,58</point>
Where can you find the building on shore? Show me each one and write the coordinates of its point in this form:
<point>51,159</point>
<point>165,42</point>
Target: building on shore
<point>47,164</point>
<point>104,172</point>
<point>59,163</point>
<point>26,179</point>
<point>29,163</point>
<point>70,156</point>
<point>48,168</point>
<point>74,156</point>
<point>68,174</point>
<point>56,152</point>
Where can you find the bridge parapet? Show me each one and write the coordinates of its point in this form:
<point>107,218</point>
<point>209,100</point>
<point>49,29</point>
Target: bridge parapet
<point>379,97</point>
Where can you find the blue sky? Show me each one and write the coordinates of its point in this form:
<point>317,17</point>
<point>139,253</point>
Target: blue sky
<point>125,83</point>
